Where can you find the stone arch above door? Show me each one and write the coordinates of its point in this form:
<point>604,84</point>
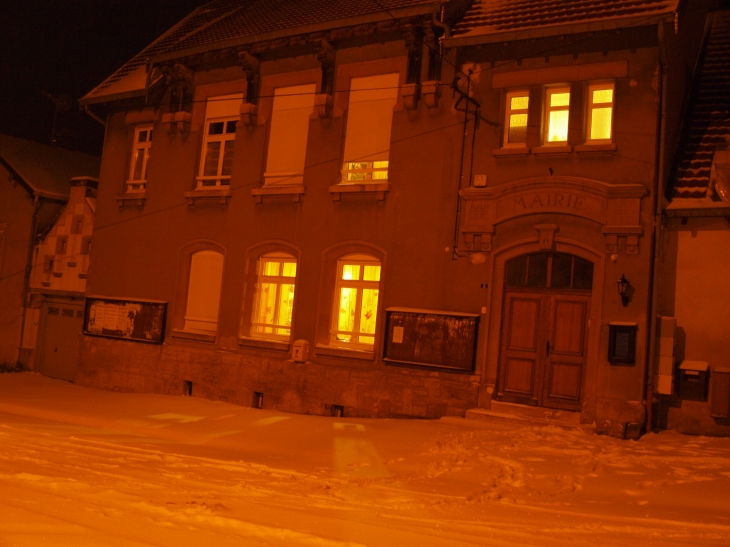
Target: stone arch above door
<point>615,207</point>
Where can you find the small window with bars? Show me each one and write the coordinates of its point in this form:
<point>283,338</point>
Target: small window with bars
<point>549,271</point>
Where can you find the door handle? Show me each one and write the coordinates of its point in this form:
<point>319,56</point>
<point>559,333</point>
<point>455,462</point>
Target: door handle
<point>548,348</point>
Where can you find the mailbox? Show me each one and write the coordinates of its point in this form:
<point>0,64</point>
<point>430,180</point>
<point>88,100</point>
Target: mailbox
<point>693,377</point>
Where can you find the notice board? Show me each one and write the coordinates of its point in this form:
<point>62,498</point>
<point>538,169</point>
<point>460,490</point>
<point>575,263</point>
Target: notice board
<point>431,338</point>
<point>139,320</point>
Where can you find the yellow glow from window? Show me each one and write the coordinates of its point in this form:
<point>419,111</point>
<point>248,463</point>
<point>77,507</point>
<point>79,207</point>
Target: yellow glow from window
<point>560,99</point>
<point>346,315</point>
<point>602,96</point>
<point>368,311</point>
<point>518,120</point>
<point>558,129</point>
<point>601,123</point>
<point>383,164</point>
<point>351,272</point>
<point>372,273</point>
<point>519,103</point>
<point>271,268</point>
<point>290,269</point>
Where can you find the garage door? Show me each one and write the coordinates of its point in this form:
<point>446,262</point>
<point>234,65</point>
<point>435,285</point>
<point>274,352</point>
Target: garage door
<point>59,349</point>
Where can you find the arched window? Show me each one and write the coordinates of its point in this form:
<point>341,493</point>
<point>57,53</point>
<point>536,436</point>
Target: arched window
<point>204,291</point>
<point>274,300</point>
<point>355,311</point>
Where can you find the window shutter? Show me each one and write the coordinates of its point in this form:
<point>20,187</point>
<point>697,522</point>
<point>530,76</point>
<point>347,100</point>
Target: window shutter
<point>223,106</point>
<point>370,117</point>
<point>288,134</point>
<point>204,291</point>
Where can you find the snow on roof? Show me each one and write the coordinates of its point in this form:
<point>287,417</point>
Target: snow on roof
<point>47,170</point>
<point>707,123</point>
<point>223,23</point>
<point>491,20</point>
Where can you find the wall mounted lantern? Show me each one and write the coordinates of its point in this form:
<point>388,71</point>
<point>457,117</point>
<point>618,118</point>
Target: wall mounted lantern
<point>623,289</point>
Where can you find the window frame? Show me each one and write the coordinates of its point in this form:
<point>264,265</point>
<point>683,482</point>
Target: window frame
<point>133,184</point>
<point>182,287</point>
<point>598,86</point>
<point>219,180</point>
<point>508,112</point>
<point>359,170</point>
<point>278,280</point>
<point>361,260</point>
<point>548,109</point>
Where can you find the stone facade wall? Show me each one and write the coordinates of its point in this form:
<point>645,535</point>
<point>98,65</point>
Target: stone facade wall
<point>370,391</point>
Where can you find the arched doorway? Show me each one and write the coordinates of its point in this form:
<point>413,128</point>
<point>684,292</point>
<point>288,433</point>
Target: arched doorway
<point>543,341</point>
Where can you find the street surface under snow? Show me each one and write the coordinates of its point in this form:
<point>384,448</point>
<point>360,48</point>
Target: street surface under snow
<point>80,467</point>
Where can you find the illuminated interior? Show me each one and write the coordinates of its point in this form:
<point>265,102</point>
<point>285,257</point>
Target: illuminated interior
<point>356,312</point>
<point>274,301</point>
<point>601,112</point>
<point>558,105</point>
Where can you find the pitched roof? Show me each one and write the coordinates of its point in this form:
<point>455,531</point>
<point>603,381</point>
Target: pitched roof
<point>226,23</point>
<point>497,20</point>
<point>707,123</point>
<point>45,169</point>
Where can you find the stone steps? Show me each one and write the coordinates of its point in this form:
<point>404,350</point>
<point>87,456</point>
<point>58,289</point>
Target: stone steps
<point>529,415</point>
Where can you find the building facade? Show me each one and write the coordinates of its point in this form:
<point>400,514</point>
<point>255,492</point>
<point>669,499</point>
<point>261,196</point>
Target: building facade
<point>414,211</point>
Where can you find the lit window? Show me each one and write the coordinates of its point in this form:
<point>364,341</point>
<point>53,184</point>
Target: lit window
<point>600,112</point>
<point>204,292</point>
<point>221,116</point>
<point>556,115</point>
<point>140,157</point>
<point>369,121</point>
<point>356,301</point>
<point>274,299</point>
<point>515,124</point>
<point>288,135</point>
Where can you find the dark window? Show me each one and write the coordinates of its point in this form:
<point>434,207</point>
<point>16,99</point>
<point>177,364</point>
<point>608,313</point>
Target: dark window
<point>622,344</point>
<point>566,271</point>
<point>53,311</point>
<point>67,313</point>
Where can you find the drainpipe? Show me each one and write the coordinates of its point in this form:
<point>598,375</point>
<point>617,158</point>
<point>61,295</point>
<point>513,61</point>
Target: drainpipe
<point>26,273</point>
<point>85,108</point>
<point>440,23</point>
<point>657,228</point>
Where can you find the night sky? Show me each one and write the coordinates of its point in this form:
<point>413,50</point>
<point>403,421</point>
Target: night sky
<point>61,49</point>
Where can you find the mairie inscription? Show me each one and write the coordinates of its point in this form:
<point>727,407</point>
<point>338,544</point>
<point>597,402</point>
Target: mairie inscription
<point>585,205</point>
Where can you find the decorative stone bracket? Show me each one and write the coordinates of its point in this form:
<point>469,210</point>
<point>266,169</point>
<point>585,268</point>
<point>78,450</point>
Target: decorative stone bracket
<point>177,122</point>
<point>410,94</point>
<point>430,92</point>
<point>248,113</point>
<point>323,105</point>
<point>615,207</point>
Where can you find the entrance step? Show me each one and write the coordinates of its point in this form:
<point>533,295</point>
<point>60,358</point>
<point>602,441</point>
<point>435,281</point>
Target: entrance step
<point>529,415</point>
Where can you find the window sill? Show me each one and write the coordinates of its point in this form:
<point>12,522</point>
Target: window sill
<point>516,151</point>
<point>296,192</point>
<point>129,197</point>
<point>348,353</point>
<point>190,335</point>
<point>587,148</point>
<point>277,345</point>
<point>224,194</point>
<point>553,150</point>
<point>379,189</point>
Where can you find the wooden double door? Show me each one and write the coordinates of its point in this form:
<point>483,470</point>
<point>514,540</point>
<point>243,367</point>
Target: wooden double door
<point>543,347</point>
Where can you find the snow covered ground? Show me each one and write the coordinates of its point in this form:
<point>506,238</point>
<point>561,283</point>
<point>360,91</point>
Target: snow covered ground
<point>80,467</point>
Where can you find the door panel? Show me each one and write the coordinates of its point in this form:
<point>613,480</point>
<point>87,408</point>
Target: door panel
<point>59,348</point>
<point>567,355</point>
<point>522,340</point>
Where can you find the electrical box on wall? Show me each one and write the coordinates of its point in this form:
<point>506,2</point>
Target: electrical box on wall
<point>480,181</point>
<point>693,376</point>
<point>300,351</point>
<point>622,343</point>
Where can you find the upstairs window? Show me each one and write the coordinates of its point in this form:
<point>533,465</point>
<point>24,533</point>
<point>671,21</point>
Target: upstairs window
<point>557,107</point>
<point>140,157</point>
<point>221,115</point>
<point>600,113</point>
<point>515,123</point>
<point>288,135</point>
<point>204,292</point>
<point>369,121</point>
<point>356,301</point>
<point>274,301</point>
